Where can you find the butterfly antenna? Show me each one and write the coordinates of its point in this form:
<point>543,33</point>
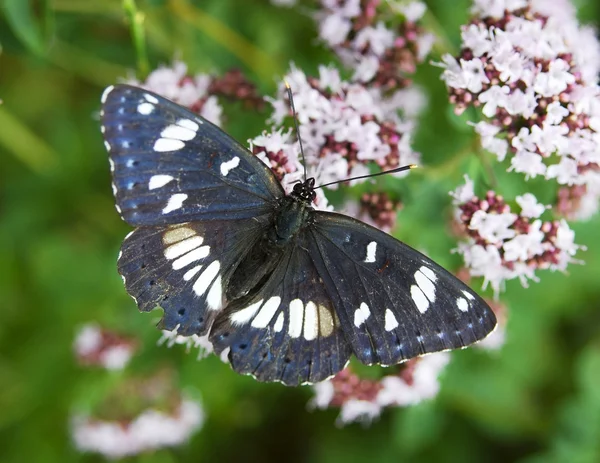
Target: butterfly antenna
<point>392,171</point>
<point>291,98</point>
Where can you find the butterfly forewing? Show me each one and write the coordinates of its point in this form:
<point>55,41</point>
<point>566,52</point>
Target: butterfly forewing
<point>288,331</point>
<point>170,165</point>
<point>185,268</point>
<point>392,301</point>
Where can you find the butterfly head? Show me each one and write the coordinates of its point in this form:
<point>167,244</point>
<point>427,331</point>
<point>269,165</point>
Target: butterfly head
<point>305,191</point>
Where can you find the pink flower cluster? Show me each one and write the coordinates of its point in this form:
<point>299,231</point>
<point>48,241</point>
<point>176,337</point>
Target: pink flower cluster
<point>344,126</point>
<point>533,71</point>
<point>135,415</point>
<point>200,92</point>
<point>150,430</point>
<point>502,245</point>
<point>361,399</point>
<point>369,39</point>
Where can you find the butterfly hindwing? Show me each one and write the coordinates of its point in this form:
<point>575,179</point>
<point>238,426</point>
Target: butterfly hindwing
<point>392,301</point>
<point>185,268</point>
<point>170,165</point>
<point>288,331</point>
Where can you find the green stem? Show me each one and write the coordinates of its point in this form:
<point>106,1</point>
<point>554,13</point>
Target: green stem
<point>136,20</point>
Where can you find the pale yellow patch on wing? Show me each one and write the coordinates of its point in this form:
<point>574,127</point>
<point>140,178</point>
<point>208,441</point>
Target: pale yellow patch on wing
<point>326,322</point>
<point>175,235</point>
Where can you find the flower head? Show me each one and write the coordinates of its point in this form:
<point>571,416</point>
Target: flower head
<point>533,71</point>
<point>502,245</point>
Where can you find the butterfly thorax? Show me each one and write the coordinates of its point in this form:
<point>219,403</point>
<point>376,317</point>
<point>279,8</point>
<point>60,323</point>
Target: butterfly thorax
<point>291,215</point>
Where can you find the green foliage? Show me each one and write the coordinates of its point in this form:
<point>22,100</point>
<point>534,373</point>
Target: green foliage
<point>536,400</point>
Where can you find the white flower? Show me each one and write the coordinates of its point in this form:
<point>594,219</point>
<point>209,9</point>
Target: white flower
<point>324,392</point>
<point>555,113</point>
<point>565,172</point>
<point>524,140</point>
<point>529,206</point>
<point>496,8</point>
<point>377,38</point>
<point>88,339</point>
<point>464,193</point>
<point>489,142</point>
<point>424,385</point>
<point>334,29</point>
<point>477,38</point>
<point>565,239</point>
<point>474,74</point>
<point>555,80</point>
<point>509,63</point>
<point>525,246</point>
<point>358,410</point>
<point>550,138</point>
<point>485,262</point>
<point>527,163</point>
<point>519,103</point>
<point>493,97</point>
<point>453,74</point>
<point>492,227</point>
<point>413,11</point>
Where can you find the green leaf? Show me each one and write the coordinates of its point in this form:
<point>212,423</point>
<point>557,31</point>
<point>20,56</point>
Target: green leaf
<point>32,22</point>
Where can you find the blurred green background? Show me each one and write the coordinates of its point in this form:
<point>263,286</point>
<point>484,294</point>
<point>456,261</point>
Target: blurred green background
<point>535,400</point>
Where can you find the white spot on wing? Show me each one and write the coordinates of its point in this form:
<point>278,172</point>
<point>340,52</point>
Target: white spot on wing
<point>311,322</point>
<point>145,108</point>
<point>167,144</point>
<point>175,202</point>
<point>112,164</point>
<point>183,247</point>
<point>264,317</point>
<point>390,320</point>
<point>206,278</point>
<point>188,124</point>
<point>157,181</point>
<point>425,284</point>
<point>191,272</point>
<point>190,257</point>
<point>462,304</point>
<point>241,317</point>
<point>178,133</point>
<point>214,299</point>
<point>279,323</point>
<point>105,93</point>
<point>428,273</point>
<point>361,314</point>
<point>468,295</point>
<point>371,248</point>
<point>107,145</point>
<point>227,166</point>
<point>150,98</point>
<point>419,298</point>
<point>296,316</point>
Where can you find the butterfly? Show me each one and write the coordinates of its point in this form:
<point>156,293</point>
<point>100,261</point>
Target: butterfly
<point>287,291</point>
